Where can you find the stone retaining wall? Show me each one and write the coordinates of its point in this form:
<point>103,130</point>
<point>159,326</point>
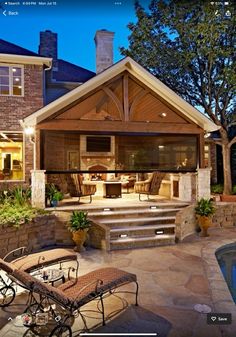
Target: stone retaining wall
<point>48,231</point>
<point>186,224</point>
<point>44,231</point>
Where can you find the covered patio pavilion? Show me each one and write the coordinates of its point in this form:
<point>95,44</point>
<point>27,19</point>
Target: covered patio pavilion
<point>123,121</point>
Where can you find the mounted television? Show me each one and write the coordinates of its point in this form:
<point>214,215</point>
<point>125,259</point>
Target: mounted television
<point>98,144</point>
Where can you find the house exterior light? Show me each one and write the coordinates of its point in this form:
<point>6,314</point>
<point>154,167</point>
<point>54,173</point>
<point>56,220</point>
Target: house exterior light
<point>29,130</point>
<point>207,135</point>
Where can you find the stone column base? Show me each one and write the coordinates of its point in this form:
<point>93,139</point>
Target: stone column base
<point>38,188</point>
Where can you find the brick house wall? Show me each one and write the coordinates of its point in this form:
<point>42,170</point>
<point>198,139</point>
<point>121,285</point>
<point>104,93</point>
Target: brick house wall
<point>13,109</point>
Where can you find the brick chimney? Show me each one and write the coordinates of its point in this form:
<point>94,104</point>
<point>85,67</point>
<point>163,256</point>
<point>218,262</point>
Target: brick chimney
<point>48,44</point>
<point>104,49</point>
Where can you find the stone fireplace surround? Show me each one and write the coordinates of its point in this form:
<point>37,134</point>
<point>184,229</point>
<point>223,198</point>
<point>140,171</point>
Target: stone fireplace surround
<point>97,161</point>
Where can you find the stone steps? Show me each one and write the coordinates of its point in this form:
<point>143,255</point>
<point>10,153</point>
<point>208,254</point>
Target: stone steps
<point>138,226</point>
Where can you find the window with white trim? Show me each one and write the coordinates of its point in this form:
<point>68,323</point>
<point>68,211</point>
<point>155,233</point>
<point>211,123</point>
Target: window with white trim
<point>11,80</point>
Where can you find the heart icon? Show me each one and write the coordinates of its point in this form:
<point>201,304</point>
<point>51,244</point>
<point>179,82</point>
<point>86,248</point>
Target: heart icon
<point>213,318</point>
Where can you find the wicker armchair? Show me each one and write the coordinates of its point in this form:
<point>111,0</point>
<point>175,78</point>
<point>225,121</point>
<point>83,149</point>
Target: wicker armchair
<point>77,188</point>
<point>150,186</point>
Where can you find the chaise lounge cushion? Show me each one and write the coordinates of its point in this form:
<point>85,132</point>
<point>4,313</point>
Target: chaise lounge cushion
<point>86,287</point>
<point>44,258</point>
<point>80,291</point>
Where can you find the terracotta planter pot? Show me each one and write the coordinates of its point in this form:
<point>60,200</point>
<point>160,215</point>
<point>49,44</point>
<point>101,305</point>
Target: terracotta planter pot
<point>228,197</point>
<point>204,223</point>
<point>79,238</point>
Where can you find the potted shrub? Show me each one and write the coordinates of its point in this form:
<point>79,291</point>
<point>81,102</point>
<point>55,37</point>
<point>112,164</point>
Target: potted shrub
<point>79,225</point>
<point>204,211</point>
<point>53,195</point>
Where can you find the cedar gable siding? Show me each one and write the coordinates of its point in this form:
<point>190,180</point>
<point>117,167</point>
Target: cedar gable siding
<point>121,105</point>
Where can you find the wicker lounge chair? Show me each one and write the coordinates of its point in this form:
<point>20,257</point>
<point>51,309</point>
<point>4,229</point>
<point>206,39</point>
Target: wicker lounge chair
<point>73,295</point>
<point>151,186</point>
<point>77,188</point>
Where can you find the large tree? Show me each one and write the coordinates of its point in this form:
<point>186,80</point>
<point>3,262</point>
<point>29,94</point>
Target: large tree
<point>190,46</point>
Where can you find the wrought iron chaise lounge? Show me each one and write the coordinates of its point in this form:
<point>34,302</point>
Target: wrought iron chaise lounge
<point>22,260</point>
<point>72,295</point>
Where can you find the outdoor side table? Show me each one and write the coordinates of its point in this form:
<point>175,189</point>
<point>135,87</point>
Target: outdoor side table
<point>53,275</point>
<point>112,189</point>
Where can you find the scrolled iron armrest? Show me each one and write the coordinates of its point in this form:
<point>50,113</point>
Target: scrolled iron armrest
<point>41,259</point>
<point>23,251</point>
<point>73,269</point>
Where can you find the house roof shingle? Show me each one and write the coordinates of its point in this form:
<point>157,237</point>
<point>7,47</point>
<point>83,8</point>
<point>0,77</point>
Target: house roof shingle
<point>69,72</point>
<point>11,48</point>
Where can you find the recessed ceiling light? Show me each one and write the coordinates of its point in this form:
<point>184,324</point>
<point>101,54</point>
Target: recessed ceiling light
<point>163,114</point>
<point>161,146</point>
<point>14,70</point>
<point>123,235</point>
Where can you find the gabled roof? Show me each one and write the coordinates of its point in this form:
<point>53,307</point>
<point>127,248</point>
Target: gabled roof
<point>69,72</point>
<point>11,48</point>
<point>12,53</point>
<point>139,72</point>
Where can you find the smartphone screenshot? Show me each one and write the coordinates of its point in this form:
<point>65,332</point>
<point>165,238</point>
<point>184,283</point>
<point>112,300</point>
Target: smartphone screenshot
<point>117,168</point>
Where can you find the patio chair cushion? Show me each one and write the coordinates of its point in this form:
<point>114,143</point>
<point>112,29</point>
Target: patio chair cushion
<point>86,287</point>
<point>150,186</point>
<point>44,258</point>
<point>78,188</point>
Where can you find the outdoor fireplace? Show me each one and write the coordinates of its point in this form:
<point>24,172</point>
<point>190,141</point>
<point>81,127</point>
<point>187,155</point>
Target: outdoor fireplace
<point>97,176</point>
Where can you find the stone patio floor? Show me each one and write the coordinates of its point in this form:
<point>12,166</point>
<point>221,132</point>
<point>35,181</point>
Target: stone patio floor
<point>172,280</point>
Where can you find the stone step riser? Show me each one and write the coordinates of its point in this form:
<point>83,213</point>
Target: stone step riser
<point>147,214</point>
<point>142,233</point>
<point>140,244</point>
<point>141,208</point>
<point>139,223</point>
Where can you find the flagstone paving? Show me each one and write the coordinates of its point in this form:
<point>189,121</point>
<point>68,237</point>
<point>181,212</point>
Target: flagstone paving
<point>172,280</point>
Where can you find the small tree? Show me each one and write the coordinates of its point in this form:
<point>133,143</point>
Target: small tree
<point>190,46</point>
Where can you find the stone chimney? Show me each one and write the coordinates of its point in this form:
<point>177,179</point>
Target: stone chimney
<point>104,49</point>
<point>48,44</point>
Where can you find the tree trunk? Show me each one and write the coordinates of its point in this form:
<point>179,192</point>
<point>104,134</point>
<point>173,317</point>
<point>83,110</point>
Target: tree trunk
<point>227,167</point>
<point>226,154</point>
